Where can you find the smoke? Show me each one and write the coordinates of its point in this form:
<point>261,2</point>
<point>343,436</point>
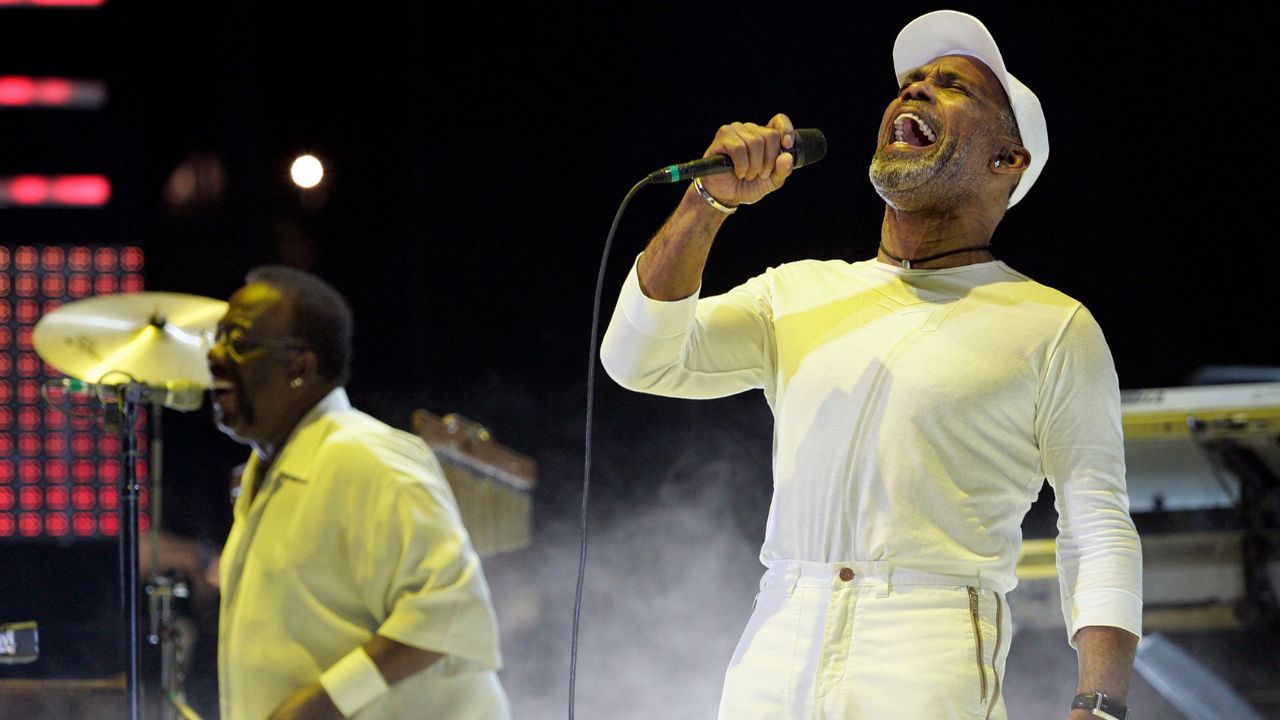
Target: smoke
<point>672,568</point>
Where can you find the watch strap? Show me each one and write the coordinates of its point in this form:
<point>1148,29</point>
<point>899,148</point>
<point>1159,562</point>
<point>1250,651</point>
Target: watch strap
<point>1101,706</point>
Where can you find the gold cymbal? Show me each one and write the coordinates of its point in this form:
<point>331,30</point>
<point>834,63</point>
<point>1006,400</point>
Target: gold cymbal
<point>154,337</point>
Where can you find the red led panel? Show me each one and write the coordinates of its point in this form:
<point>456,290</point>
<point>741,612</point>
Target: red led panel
<point>109,471</point>
<point>106,285</point>
<point>53,258</point>
<point>59,474</point>
<point>55,444</point>
<point>53,285</point>
<point>79,285</point>
<point>29,445</point>
<point>27,312</point>
<point>29,524</point>
<point>57,498</point>
<point>82,498</point>
<point>56,470</point>
<point>30,497</point>
<point>82,471</point>
<point>29,471</point>
<point>56,524</point>
<point>84,524</point>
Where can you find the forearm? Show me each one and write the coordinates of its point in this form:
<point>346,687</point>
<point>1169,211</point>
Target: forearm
<point>397,661</point>
<point>671,267</point>
<point>1106,663</point>
<point>392,662</point>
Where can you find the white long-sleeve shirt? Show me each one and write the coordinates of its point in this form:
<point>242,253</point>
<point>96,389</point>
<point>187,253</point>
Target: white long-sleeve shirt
<point>917,413</point>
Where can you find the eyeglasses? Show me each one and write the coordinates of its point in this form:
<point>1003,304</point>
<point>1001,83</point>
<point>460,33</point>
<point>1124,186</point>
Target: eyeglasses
<point>239,346</point>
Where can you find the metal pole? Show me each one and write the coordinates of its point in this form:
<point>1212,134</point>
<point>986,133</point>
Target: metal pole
<point>129,552</point>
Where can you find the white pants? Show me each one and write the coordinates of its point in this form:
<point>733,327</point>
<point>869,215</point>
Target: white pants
<point>857,640</point>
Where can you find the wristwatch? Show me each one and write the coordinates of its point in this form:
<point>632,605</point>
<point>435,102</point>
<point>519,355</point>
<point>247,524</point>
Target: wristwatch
<point>1101,706</point>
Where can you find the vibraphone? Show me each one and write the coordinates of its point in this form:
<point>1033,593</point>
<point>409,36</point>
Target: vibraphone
<point>492,483</point>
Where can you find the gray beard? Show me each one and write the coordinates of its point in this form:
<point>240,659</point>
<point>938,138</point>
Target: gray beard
<point>939,181</point>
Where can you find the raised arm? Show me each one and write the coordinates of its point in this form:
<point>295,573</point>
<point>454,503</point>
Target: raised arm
<point>671,267</point>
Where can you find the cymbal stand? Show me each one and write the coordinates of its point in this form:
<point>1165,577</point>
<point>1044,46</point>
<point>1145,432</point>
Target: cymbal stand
<point>175,641</point>
<point>127,399</point>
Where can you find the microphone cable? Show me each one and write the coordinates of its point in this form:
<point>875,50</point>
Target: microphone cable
<point>809,146</point>
<point>592,354</point>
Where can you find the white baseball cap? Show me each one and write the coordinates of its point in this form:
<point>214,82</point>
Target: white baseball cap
<point>947,32</point>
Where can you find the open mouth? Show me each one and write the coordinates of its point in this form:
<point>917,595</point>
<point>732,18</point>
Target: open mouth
<point>910,129</point>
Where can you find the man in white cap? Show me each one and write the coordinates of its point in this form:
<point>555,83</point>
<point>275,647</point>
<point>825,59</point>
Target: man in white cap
<point>920,400</point>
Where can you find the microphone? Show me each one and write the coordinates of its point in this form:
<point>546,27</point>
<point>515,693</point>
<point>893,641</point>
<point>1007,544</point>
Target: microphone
<point>809,146</point>
<point>180,395</point>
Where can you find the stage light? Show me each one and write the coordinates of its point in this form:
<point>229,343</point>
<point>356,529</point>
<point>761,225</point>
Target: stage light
<point>21,91</point>
<point>68,191</point>
<point>307,172</point>
<point>53,3</point>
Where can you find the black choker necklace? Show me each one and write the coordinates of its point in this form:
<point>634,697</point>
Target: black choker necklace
<point>907,263</point>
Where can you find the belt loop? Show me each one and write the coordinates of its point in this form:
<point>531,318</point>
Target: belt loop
<point>883,573</point>
<point>795,570</point>
<point>882,586</point>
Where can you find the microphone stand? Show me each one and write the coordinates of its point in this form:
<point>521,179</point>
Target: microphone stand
<point>129,491</point>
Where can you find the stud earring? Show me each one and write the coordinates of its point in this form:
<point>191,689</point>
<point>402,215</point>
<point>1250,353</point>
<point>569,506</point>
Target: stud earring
<point>997,163</point>
<point>295,383</point>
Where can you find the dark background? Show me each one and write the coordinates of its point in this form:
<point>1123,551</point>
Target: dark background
<point>475,156</point>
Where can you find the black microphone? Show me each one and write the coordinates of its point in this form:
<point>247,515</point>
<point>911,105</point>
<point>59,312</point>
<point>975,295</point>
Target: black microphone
<point>809,146</point>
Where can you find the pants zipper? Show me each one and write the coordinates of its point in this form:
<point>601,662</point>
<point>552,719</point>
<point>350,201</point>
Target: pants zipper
<point>977,642</point>
<point>995,661</point>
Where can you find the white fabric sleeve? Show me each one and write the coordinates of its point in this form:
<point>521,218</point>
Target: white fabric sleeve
<point>353,682</point>
<point>420,578</point>
<point>1099,555</point>
<point>691,348</point>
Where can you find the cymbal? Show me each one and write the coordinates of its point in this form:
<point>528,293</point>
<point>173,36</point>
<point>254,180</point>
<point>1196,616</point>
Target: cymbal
<point>154,337</point>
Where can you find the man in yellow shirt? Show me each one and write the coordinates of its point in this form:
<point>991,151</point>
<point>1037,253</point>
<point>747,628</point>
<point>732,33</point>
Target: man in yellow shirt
<point>349,586</point>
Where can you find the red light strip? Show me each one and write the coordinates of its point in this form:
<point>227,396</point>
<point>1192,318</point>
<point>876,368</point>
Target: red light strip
<point>52,3</point>
<point>54,190</point>
<point>21,91</point>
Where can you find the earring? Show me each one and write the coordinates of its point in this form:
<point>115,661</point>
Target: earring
<point>295,383</point>
<point>997,162</point>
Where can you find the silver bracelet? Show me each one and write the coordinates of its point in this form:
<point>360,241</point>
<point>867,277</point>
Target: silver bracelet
<point>726,209</point>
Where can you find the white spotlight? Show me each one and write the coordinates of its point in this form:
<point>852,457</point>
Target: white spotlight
<point>307,172</point>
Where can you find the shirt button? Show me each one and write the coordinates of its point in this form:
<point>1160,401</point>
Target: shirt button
<point>846,574</point>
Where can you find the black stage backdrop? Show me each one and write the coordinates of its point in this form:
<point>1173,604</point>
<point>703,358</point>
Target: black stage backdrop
<point>475,157</point>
